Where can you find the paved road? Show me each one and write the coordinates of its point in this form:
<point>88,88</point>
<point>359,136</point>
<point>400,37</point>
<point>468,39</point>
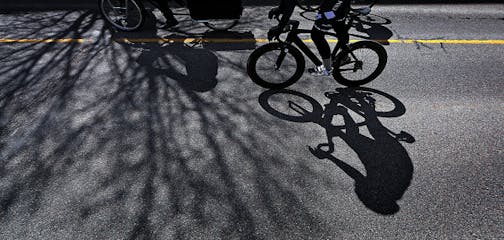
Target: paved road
<point>111,140</point>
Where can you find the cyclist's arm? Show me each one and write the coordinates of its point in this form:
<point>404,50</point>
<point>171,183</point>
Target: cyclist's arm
<point>329,5</point>
<point>286,8</point>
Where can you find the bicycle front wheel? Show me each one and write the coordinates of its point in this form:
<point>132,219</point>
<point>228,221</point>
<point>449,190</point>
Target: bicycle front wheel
<point>275,65</point>
<point>360,63</point>
<point>125,15</point>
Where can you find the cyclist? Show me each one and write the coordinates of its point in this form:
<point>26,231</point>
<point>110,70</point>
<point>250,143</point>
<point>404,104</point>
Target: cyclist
<point>332,15</point>
<point>168,14</point>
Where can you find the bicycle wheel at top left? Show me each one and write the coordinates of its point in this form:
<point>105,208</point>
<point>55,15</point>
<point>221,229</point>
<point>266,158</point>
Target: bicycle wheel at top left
<point>125,15</point>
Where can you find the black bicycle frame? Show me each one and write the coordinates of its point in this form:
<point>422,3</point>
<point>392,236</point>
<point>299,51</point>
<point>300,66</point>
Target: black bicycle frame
<point>292,37</point>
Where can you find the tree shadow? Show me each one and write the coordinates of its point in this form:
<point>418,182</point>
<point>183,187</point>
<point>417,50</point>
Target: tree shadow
<point>135,140</point>
<point>388,167</point>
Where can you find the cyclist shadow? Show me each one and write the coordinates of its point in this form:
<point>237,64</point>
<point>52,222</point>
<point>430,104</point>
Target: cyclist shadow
<point>194,69</point>
<point>373,26</point>
<point>387,164</point>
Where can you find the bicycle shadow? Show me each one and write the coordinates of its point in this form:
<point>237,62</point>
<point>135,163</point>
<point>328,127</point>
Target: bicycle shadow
<point>193,68</point>
<point>387,164</point>
<point>373,28</point>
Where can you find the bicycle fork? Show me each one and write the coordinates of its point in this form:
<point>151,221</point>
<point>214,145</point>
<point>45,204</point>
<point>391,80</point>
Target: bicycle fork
<point>281,57</point>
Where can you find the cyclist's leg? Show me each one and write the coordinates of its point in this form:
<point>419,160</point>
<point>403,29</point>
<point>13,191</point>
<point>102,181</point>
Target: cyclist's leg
<point>168,14</point>
<point>318,37</point>
<point>342,35</point>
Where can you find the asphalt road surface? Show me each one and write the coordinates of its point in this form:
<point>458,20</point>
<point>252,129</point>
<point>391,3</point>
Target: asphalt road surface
<point>162,136</point>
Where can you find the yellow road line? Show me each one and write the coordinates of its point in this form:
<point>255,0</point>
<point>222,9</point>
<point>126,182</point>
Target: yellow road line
<point>446,41</point>
<point>430,41</point>
<point>258,40</point>
<point>189,40</point>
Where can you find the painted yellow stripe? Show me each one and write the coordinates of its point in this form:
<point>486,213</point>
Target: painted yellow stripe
<point>251,40</point>
<point>259,40</point>
<point>59,40</point>
<point>189,40</point>
<point>429,41</point>
<point>444,41</point>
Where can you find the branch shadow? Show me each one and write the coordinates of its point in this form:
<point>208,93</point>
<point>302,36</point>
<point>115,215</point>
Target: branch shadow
<point>134,140</point>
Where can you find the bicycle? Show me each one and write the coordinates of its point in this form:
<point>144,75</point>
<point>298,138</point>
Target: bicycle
<point>289,57</point>
<point>129,15</point>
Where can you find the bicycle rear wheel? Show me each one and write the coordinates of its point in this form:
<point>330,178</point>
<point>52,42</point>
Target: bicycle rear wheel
<point>125,15</point>
<point>275,65</point>
<point>360,63</point>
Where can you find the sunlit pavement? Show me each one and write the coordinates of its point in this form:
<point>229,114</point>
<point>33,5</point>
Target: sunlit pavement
<point>160,134</point>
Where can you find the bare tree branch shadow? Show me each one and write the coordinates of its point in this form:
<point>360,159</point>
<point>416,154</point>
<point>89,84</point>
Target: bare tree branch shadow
<point>135,141</point>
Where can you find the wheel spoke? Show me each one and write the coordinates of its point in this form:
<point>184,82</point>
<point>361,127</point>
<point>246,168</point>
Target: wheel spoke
<point>369,60</point>
<point>271,66</point>
<point>122,14</point>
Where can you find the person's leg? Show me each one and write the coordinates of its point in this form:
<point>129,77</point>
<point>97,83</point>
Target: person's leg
<point>341,34</point>
<point>168,14</point>
<point>321,43</point>
<point>318,37</point>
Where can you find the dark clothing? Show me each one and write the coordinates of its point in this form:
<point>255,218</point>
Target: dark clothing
<point>318,37</point>
<point>339,7</point>
<point>165,9</point>
<point>286,9</point>
<point>332,14</point>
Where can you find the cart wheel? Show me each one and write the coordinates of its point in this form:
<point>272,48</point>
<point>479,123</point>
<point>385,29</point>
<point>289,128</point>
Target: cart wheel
<point>221,24</point>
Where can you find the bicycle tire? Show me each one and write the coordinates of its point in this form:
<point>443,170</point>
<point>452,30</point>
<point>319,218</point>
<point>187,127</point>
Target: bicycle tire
<point>276,46</point>
<point>226,25</point>
<point>138,8</point>
<point>341,58</point>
